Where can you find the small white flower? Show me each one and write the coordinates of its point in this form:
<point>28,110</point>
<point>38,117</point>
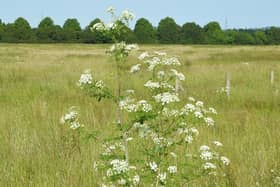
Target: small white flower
<point>217,143</point>
<point>135,68</point>
<point>153,166</point>
<point>127,15</point>
<point>212,110</point>
<point>172,169</point>
<point>209,121</point>
<point>189,139</point>
<point>166,98</point>
<point>121,181</point>
<point>162,177</point>
<point>209,165</point>
<point>199,104</point>
<point>206,155</point>
<point>225,160</point>
<point>152,85</point>
<point>143,56</point>
<point>99,27</point>
<point>99,84</point>
<point>86,78</point>
<point>136,179</point>
<point>194,131</point>
<point>198,114</point>
<point>204,148</point>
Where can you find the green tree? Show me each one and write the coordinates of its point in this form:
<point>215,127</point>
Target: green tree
<point>47,31</point>
<point>273,35</point>
<point>1,29</point>
<point>144,31</point>
<point>21,30</point>
<point>260,37</point>
<point>192,34</point>
<point>243,37</point>
<point>71,30</point>
<point>214,33</point>
<point>168,31</point>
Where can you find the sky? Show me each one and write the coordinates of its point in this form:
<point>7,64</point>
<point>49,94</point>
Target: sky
<point>229,13</point>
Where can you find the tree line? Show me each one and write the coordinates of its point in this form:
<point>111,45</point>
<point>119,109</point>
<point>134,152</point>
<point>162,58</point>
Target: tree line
<point>167,32</point>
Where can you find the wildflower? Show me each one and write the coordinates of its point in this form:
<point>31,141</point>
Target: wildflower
<point>189,139</point>
<point>153,166</point>
<point>179,76</point>
<point>75,125</point>
<point>162,177</point>
<point>172,169</point>
<point>127,15</point>
<point>160,74</point>
<point>206,155</point>
<point>204,148</point>
<point>190,107</point>
<point>99,27</point>
<point>135,68</point>
<point>119,166</point>
<point>166,98</point>
<point>212,110</point>
<point>143,56</point>
<point>99,84</point>
<point>225,160</point>
<point>86,78</point>
<point>217,143</point>
<point>198,114</point>
<point>136,179</point>
<point>209,165</point>
<point>194,131</point>
<point>121,181</point>
<point>199,104</point>
<point>209,121</point>
<point>152,85</point>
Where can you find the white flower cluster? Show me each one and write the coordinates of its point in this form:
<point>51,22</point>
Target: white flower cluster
<point>135,68</point>
<point>110,149</point>
<point>129,105</point>
<point>122,49</point>
<point>153,166</point>
<point>162,177</point>
<point>143,129</point>
<point>122,173</point>
<point>125,17</point>
<point>86,78</point>
<point>207,155</point>
<point>166,98</point>
<point>189,133</point>
<point>71,118</point>
<point>158,58</point>
<point>118,167</point>
<point>179,76</point>
<point>172,169</point>
<point>157,85</point>
<point>198,110</point>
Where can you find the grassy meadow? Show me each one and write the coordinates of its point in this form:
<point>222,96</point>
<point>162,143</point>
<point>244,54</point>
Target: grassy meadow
<point>38,84</point>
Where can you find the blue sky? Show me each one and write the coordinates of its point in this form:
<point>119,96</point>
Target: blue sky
<point>238,13</point>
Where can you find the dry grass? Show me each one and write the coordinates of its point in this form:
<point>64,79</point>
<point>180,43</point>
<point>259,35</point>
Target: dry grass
<point>37,84</point>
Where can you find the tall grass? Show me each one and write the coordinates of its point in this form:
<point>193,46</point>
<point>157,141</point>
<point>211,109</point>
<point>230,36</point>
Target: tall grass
<point>38,83</point>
